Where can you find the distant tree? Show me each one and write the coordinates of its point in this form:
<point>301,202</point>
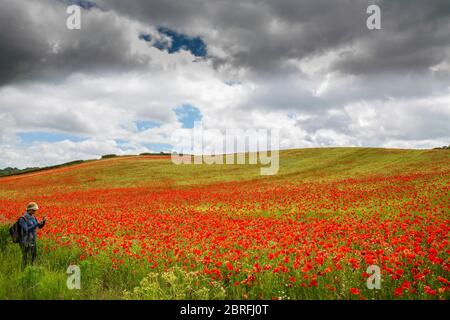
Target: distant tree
<point>107,156</point>
<point>7,171</point>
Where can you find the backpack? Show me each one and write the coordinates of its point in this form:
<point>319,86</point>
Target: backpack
<point>16,231</point>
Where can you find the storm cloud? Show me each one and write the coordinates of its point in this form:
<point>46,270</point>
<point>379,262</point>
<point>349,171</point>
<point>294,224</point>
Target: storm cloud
<point>311,67</point>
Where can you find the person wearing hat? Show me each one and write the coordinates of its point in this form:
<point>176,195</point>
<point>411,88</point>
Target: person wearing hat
<point>29,224</point>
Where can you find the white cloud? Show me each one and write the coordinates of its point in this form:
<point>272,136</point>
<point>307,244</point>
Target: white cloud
<point>97,83</point>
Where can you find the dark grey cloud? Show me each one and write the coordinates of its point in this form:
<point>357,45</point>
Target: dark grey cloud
<point>415,36</point>
<point>322,120</point>
<point>21,48</point>
<point>262,35</point>
<point>314,59</point>
<point>36,45</point>
<point>259,36</point>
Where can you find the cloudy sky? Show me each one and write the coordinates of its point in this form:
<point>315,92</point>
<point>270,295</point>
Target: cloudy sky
<point>138,70</point>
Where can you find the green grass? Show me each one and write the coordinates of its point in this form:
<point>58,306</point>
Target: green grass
<point>295,165</point>
<point>138,280</point>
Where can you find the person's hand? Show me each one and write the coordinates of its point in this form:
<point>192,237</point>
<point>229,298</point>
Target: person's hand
<point>45,218</point>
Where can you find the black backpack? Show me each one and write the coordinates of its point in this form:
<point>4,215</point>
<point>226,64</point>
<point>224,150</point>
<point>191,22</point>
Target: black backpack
<point>16,231</point>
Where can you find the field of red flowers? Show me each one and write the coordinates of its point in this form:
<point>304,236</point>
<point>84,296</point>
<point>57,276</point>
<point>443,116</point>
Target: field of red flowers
<point>310,232</point>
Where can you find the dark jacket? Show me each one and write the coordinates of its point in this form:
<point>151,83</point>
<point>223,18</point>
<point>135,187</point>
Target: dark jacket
<point>28,223</point>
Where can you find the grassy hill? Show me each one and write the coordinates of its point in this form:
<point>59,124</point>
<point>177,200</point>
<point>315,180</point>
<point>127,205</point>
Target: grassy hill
<point>141,227</point>
<point>298,164</point>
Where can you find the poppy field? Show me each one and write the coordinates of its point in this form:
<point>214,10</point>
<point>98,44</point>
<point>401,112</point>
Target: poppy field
<point>141,227</point>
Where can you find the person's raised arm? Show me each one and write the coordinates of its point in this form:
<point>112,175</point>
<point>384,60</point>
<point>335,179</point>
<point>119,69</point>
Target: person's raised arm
<point>42,224</point>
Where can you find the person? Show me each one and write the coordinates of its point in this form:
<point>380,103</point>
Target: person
<point>29,224</point>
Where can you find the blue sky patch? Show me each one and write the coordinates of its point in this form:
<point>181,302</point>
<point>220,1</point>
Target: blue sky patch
<point>232,82</point>
<point>291,115</point>
<point>121,142</point>
<point>158,147</point>
<point>145,37</point>
<point>187,115</point>
<point>42,136</point>
<point>142,125</point>
<point>85,4</point>
<point>179,42</point>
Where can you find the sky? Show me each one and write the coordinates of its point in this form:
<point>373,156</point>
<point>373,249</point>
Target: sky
<point>138,70</point>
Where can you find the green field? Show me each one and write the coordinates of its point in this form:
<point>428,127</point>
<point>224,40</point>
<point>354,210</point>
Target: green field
<point>141,227</point>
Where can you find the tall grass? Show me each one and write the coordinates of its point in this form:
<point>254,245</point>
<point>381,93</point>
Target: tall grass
<point>47,278</point>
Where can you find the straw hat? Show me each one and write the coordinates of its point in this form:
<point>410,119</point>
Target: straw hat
<point>32,206</point>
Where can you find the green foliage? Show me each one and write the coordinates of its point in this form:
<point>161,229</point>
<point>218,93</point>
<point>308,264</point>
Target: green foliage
<point>176,284</point>
<point>154,154</point>
<point>99,279</point>
<point>108,156</point>
<point>11,171</point>
<point>15,171</point>
<point>5,237</point>
<point>443,147</point>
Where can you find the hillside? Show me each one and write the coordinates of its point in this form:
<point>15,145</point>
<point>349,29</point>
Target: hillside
<point>295,165</point>
<point>134,224</point>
